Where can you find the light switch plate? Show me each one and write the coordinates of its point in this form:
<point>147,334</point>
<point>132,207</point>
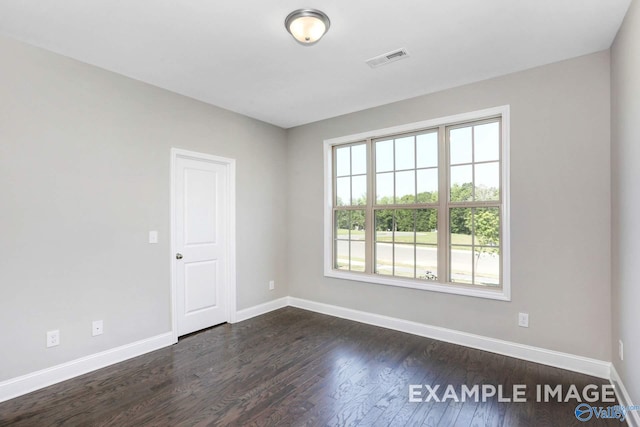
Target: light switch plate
<point>153,236</point>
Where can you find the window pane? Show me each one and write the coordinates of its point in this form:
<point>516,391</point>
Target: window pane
<point>487,181</point>
<point>343,191</point>
<point>461,265</point>
<point>405,226</point>
<point>427,262</point>
<point>487,266</point>
<point>384,225</point>
<point>427,185</point>
<point>384,262</point>
<point>486,226</point>
<point>342,255</point>
<point>460,250</point>
<point>342,225</point>
<point>460,226</point>
<point>359,190</point>
<point>405,187</point>
<point>460,145</point>
<point>426,226</point>
<point>405,153</point>
<point>404,265</point>
<point>349,240</point>
<point>486,140</point>
<point>358,159</point>
<point>343,161</point>
<point>384,188</point>
<point>384,156</point>
<point>357,255</point>
<point>427,150</point>
<point>357,222</point>
<point>461,184</point>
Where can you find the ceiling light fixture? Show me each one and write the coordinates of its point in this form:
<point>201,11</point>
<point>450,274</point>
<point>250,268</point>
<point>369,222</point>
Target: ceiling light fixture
<point>307,26</point>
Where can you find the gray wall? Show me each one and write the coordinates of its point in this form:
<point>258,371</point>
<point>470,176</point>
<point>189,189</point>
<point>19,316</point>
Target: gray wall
<point>84,168</point>
<point>84,174</point>
<point>625,178</point>
<point>560,192</point>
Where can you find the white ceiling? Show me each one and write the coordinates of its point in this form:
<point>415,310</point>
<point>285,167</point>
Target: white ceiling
<point>238,55</point>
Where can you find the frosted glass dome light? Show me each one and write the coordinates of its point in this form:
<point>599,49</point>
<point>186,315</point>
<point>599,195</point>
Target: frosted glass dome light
<point>307,26</point>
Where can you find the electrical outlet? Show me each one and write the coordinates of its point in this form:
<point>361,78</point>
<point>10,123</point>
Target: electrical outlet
<point>53,338</point>
<point>153,236</point>
<point>621,349</point>
<point>523,320</point>
<point>97,328</point>
<point>272,285</point>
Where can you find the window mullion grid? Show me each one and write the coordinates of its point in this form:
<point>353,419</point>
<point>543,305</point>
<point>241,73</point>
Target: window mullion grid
<point>334,202</point>
<point>443,206</point>
<point>349,241</point>
<point>473,163</point>
<point>500,246</point>
<point>415,242</point>
<point>336,239</point>
<point>415,169</point>
<point>350,176</point>
<point>473,209</point>
<point>393,223</point>
<point>473,246</point>
<point>393,155</point>
<point>350,200</point>
<point>444,267</point>
<point>500,199</point>
<point>415,201</point>
<point>370,239</point>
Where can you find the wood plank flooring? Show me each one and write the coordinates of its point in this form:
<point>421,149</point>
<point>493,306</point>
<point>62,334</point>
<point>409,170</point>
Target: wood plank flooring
<point>292,367</point>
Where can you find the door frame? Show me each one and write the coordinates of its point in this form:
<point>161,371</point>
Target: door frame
<point>230,204</point>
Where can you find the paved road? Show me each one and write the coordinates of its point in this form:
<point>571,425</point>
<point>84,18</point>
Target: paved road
<point>487,266</point>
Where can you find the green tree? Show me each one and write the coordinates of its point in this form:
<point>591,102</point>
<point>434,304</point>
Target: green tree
<point>428,197</point>
<point>487,193</point>
<point>357,220</point>
<point>384,220</point>
<point>426,220</point>
<point>462,193</point>
<point>486,227</point>
<point>350,219</point>
<point>405,219</point>
<point>342,220</point>
<point>460,220</point>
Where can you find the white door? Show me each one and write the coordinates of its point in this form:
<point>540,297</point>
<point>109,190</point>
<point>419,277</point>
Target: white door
<point>201,234</point>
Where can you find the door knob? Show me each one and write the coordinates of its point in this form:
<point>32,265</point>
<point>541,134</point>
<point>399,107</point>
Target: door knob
<point>178,256</point>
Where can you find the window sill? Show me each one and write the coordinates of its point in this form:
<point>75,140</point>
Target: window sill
<point>456,289</point>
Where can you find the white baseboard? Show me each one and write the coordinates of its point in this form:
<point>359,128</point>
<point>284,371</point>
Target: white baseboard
<point>633,417</point>
<point>33,381</point>
<point>584,365</point>
<point>36,380</point>
<point>257,310</point>
<point>27,383</point>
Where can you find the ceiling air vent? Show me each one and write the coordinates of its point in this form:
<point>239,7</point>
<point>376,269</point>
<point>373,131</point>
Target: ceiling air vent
<point>387,58</point>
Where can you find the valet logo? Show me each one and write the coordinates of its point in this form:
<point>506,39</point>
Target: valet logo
<point>584,412</point>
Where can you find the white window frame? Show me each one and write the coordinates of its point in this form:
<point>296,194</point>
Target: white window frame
<point>504,293</point>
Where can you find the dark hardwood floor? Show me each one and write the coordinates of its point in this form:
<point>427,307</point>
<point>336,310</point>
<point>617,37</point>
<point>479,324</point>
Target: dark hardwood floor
<point>294,367</point>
